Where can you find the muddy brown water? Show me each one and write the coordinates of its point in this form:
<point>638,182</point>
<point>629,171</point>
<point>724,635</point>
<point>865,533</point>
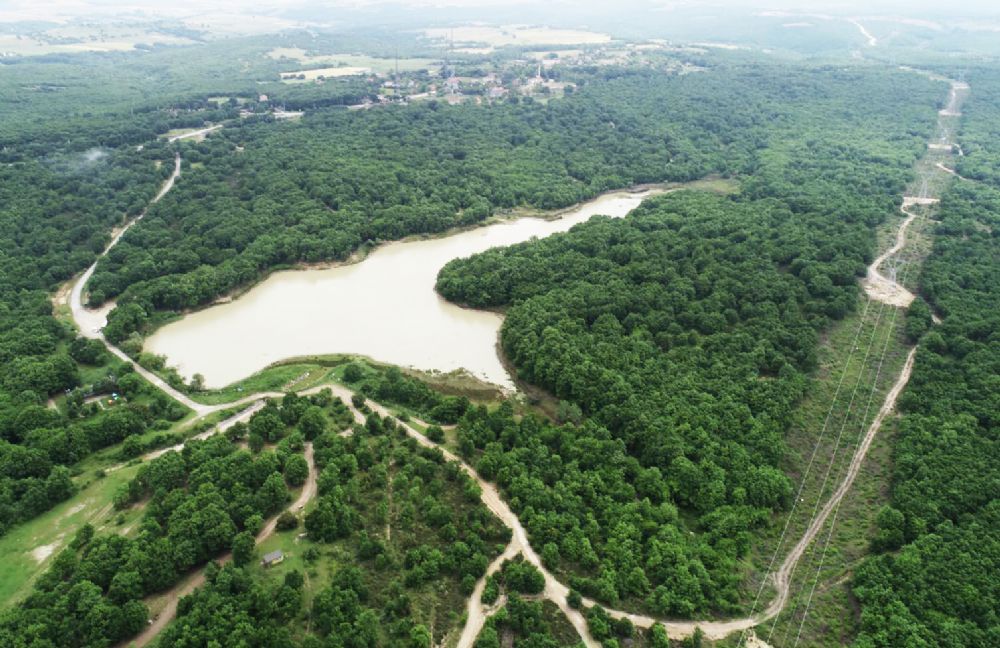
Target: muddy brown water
<point>384,307</point>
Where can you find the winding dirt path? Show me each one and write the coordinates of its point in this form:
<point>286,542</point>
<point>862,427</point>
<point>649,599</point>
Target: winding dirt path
<point>870,39</point>
<point>557,592</point>
<point>91,321</point>
<point>195,581</point>
<point>878,286</point>
<point>952,172</point>
<point>554,590</point>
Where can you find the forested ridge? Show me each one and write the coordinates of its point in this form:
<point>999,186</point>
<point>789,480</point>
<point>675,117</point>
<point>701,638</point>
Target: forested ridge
<point>685,332</point>
<point>935,580</point>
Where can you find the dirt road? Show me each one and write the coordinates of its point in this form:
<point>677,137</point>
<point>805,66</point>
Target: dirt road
<point>476,613</point>
<point>196,580</point>
<point>877,285</point>
<point>870,39</point>
<point>953,172</point>
<point>198,134</point>
<point>91,321</point>
<point>240,417</point>
<point>554,590</point>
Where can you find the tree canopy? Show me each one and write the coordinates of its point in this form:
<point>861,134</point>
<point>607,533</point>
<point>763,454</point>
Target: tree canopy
<point>935,578</point>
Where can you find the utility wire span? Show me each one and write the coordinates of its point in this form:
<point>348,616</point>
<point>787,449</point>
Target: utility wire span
<point>812,459</point>
<point>836,509</point>
<point>840,434</point>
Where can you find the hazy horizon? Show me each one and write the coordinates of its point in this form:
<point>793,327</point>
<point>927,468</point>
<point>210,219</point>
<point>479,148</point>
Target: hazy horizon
<point>65,9</point>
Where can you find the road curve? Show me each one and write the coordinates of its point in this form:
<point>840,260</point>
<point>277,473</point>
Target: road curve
<point>92,321</point>
<point>554,590</point>
<point>877,285</point>
<point>195,581</point>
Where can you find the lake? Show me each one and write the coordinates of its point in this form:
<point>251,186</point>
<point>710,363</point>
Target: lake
<point>384,307</point>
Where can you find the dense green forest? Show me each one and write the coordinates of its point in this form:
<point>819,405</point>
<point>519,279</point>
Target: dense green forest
<point>935,580</point>
<point>684,333</point>
<point>235,607</point>
<point>413,521</point>
<point>389,385</point>
<point>275,194</point>
<point>678,340</point>
<point>56,214</point>
<point>408,536</point>
<point>199,501</point>
<point>198,504</point>
<point>528,624</point>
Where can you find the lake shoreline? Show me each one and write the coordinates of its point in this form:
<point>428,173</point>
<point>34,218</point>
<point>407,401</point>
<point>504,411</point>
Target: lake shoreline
<point>387,309</point>
<point>517,213</point>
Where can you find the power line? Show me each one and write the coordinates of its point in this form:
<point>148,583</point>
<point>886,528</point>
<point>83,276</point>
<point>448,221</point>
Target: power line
<point>836,510</point>
<point>836,447</point>
<point>812,460</point>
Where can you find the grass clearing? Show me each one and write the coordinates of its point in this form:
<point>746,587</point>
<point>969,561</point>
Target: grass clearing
<point>313,75</point>
<point>54,529</point>
<point>838,356</point>
<point>293,376</point>
<point>91,504</point>
<point>184,132</point>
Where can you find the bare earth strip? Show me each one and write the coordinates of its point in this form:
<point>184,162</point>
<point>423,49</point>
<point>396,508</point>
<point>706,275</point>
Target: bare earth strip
<point>882,288</point>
